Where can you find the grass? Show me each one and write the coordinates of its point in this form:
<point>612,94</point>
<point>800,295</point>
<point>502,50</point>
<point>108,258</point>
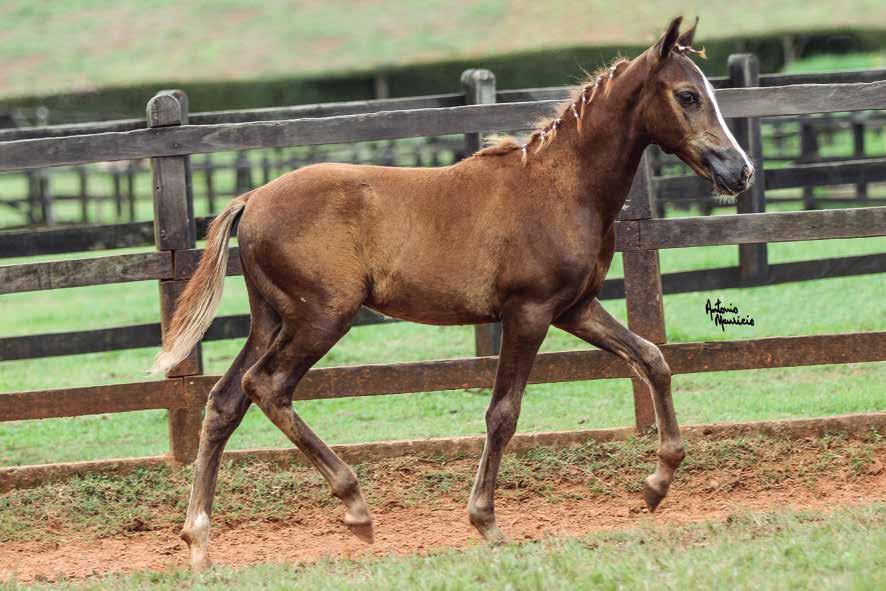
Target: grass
<point>742,551</point>
<point>99,43</point>
<point>828,62</point>
<point>793,550</point>
<point>818,307</point>
<point>750,551</point>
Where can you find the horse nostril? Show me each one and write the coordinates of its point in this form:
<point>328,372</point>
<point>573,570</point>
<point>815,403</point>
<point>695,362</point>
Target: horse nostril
<point>746,173</point>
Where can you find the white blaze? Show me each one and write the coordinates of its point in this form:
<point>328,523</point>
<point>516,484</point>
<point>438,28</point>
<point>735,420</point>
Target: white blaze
<point>710,92</point>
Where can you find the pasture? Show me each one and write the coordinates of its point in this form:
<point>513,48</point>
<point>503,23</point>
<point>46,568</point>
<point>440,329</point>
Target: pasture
<point>236,40</point>
<point>819,307</point>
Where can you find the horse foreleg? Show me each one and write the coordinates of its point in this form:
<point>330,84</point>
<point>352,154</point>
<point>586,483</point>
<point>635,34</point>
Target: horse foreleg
<point>591,322</point>
<point>522,335</point>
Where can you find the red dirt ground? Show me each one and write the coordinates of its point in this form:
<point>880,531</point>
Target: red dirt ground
<point>312,533</point>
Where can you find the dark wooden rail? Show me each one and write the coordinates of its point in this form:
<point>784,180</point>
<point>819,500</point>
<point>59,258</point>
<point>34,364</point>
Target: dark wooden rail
<point>451,374</point>
<point>398,104</point>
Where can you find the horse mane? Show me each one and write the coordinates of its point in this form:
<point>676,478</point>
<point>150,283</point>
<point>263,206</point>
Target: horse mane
<point>544,131</point>
<point>545,128</point>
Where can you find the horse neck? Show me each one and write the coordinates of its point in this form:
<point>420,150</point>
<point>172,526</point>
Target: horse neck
<point>604,156</point>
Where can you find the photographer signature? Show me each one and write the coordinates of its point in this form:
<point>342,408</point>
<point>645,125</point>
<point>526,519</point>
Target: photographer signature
<point>722,315</point>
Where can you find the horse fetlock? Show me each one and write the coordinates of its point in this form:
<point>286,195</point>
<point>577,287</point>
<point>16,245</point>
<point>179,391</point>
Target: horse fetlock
<point>482,517</point>
<point>345,484</point>
<point>672,455</point>
<point>481,514</point>
<point>196,535</point>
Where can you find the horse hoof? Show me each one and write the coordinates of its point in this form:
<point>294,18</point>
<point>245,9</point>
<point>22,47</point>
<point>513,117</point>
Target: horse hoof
<point>365,533</point>
<point>360,526</point>
<point>491,534</point>
<point>361,519</point>
<point>198,565</point>
<point>652,496</point>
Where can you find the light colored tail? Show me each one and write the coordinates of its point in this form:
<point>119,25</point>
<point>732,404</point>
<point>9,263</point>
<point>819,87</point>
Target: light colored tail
<point>199,301</point>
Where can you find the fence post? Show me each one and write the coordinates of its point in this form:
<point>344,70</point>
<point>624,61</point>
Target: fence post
<point>642,281</point>
<point>744,71</point>
<point>130,190</point>
<point>175,229</point>
<point>208,171</point>
<point>808,154</point>
<point>84,193</point>
<point>858,128</point>
<point>479,87</point>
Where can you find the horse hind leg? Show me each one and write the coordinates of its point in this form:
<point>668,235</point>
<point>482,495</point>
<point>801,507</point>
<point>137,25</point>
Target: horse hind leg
<point>592,323</point>
<point>225,408</point>
<point>270,383</point>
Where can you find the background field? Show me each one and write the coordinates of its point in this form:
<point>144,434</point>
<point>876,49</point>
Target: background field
<point>817,307</point>
<point>100,43</point>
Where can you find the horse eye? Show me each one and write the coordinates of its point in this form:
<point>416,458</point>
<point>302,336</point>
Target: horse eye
<point>687,98</point>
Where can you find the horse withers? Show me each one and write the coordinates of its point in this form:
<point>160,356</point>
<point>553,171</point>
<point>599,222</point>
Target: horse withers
<point>521,232</point>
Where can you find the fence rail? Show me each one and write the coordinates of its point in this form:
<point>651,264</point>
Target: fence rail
<point>631,235</point>
<point>452,374</point>
<point>185,140</point>
<point>398,104</point>
<point>172,137</point>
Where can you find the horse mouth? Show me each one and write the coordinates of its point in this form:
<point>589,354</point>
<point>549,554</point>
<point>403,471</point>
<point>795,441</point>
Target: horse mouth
<point>724,188</point>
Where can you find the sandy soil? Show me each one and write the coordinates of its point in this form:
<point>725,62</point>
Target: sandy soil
<point>311,533</point>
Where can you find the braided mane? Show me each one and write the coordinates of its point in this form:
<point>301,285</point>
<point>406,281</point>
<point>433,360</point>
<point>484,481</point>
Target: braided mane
<point>579,102</point>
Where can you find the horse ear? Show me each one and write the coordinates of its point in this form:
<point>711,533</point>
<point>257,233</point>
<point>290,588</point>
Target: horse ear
<point>686,37</point>
<point>669,39</point>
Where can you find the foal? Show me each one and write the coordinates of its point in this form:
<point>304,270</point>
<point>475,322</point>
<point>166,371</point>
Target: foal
<point>518,233</point>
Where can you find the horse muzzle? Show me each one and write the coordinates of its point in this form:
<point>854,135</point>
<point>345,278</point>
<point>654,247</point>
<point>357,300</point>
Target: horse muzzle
<point>729,171</point>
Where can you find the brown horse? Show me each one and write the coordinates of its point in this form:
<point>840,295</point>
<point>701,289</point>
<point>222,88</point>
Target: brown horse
<point>518,233</point>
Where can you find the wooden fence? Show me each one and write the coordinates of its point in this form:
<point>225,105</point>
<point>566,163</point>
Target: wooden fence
<point>113,191</point>
<point>171,137</point>
<point>118,186</point>
<point>810,169</point>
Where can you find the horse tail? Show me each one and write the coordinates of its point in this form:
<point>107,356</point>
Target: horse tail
<point>199,301</point>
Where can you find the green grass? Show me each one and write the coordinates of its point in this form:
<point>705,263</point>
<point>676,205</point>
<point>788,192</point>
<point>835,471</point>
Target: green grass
<point>817,307</point>
<point>794,550</point>
<point>100,43</point>
<point>829,62</point>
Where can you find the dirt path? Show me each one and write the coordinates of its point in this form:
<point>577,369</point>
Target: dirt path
<point>311,534</point>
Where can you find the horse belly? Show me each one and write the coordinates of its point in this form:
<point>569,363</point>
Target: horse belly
<point>433,296</point>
